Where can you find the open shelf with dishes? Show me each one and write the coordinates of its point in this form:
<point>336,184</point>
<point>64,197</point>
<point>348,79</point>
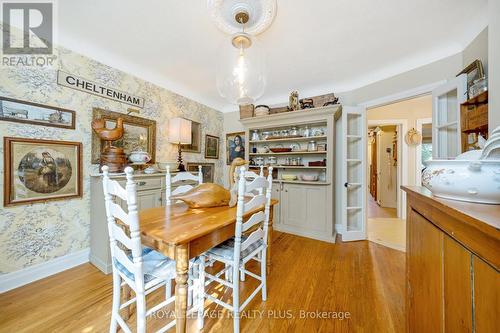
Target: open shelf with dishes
<point>298,151</point>
<point>299,147</point>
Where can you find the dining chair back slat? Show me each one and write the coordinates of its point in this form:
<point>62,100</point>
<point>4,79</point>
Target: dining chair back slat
<point>180,177</point>
<point>253,220</point>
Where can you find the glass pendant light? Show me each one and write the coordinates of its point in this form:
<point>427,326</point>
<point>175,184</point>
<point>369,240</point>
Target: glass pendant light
<point>240,68</point>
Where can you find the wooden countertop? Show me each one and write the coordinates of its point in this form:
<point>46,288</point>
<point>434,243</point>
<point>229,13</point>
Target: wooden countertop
<point>475,226</point>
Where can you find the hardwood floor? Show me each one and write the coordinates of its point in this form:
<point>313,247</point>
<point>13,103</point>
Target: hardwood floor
<point>388,232</point>
<point>375,211</point>
<point>360,279</point>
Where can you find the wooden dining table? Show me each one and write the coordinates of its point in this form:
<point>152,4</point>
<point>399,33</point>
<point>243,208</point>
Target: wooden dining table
<point>182,233</point>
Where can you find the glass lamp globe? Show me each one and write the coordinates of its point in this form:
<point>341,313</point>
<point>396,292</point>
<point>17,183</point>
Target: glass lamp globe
<point>241,78</point>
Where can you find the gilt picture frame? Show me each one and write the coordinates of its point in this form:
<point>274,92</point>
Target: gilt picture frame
<point>18,111</point>
<point>212,146</point>
<point>41,170</point>
<point>139,134</point>
<point>207,169</point>
<point>474,71</point>
<point>235,146</point>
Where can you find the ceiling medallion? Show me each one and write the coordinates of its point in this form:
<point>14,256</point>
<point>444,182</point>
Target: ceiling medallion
<point>227,15</point>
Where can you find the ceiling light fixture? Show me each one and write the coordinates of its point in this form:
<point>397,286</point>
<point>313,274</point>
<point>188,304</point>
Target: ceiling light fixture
<point>241,73</point>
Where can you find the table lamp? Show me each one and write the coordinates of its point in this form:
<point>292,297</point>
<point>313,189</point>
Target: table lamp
<point>180,134</point>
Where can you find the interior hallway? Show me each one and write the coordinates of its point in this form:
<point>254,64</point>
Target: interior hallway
<point>375,211</point>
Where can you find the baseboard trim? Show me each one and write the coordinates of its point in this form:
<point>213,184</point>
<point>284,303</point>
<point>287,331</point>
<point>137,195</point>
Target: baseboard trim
<point>306,234</point>
<point>101,265</point>
<point>34,273</point>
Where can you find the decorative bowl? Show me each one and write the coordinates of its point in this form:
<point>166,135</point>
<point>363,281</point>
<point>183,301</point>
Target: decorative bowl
<point>281,150</point>
<point>288,177</point>
<point>465,180</point>
<point>139,157</point>
<point>163,165</point>
<point>309,178</point>
<point>150,170</point>
<point>263,150</point>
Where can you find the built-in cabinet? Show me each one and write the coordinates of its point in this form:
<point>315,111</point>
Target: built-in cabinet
<point>150,194</point>
<point>452,265</point>
<point>306,207</point>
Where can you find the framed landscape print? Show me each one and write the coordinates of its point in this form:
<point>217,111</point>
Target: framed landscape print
<point>36,114</point>
<point>235,146</point>
<point>195,146</point>
<point>139,134</point>
<point>41,170</point>
<point>212,146</point>
<point>207,169</point>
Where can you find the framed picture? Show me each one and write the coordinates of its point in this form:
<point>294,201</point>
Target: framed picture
<point>207,169</point>
<point>235,146</point>
<point>41,170</point>
<point>212,146</point>
<point>195,146</point>
<point>139,134</point>
<point>474,72</point>
<point>36,114</point>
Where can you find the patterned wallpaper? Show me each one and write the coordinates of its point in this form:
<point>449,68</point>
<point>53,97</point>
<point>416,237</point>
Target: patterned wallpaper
<point>33,234</point>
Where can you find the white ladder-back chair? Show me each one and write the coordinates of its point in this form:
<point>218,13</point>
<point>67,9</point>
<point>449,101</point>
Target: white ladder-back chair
<point>237,251</point>
<point>181,176</point>
<point>142,268</point>
<point>249,176</point>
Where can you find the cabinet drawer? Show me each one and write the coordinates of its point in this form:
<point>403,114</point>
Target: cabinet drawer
<point>145,183</point>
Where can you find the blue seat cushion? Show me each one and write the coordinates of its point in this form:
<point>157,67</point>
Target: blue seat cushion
<point>226,249</point>
<point>155,265</point>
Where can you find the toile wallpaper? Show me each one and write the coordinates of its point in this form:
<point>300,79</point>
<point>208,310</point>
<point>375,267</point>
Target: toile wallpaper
<point>33,234</point>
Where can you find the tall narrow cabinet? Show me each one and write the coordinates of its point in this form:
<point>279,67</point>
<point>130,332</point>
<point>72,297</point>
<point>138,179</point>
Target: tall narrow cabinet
<point>304,177</point>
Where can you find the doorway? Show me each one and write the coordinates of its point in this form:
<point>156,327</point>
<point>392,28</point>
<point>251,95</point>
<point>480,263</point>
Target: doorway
<point>383,169</point>
<point>403,111</point>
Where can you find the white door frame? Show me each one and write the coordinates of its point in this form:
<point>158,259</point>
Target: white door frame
<point>418,157</point>
<point>398,97</point>
<point>402,125</point>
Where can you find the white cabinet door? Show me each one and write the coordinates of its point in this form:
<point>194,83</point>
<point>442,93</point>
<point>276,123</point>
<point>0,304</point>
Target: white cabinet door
<point>276,194</point>
<point>149,199</point>
<point>293,205</point>
<point>304,207</point>
<point>353,166</point>
<point>446,100</point>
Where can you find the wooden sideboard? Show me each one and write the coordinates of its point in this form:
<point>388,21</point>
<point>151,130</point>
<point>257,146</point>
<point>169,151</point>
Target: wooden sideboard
<point>150,194</point>
<point>452,264</point>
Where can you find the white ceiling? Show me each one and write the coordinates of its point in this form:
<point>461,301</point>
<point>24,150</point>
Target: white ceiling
<point>313,46</point>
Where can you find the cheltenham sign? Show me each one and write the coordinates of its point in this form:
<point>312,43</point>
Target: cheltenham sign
<point>75,82</point>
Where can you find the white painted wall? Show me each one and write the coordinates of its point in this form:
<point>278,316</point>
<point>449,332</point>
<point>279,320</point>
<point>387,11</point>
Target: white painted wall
<point>437,71</point>
<point>494,63</point>
<point>477,49</point>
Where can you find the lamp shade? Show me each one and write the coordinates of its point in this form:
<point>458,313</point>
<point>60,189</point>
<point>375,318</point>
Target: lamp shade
<point>179,131</point>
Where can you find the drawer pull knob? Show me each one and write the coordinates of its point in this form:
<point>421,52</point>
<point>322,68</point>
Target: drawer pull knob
<point>141,183</point>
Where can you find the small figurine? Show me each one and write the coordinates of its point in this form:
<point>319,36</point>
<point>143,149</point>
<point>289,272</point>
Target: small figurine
<point>293,101</point>
<point>113,157</point>
<point>306,103</point>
